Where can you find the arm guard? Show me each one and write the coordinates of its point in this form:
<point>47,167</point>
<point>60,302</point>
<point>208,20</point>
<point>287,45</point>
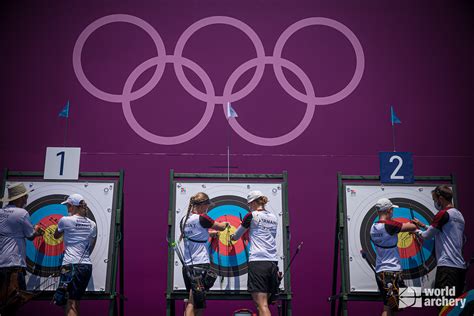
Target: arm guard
<point>238,233</point>
<point>427,234</point>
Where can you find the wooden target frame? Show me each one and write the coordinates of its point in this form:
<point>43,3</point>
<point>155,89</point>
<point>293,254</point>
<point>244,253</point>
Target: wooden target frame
<point>344,254</point>
<point>46,209</point>
<point>182,184</point>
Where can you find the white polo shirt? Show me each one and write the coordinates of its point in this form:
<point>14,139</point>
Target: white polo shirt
<point>196,235</point>
<point>263,229</point>
<point>384,235</point>
<point>447,229</point>
<point>15,226</point>
<point>79,233</point>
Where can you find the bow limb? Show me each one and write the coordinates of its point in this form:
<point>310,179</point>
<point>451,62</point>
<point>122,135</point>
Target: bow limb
<point>419,247</point>
<point>243,241</point>
<point>219,263</point>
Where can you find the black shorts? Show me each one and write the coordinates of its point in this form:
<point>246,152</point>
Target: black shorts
<point>450,277</point>
<point>263,277</point>
<point>77,276</point>
<point>198,268</point>
<point>389,283</point>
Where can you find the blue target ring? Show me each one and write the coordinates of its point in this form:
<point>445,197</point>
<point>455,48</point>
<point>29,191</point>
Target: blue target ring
<point>31,251</point>
<point>229,210</point>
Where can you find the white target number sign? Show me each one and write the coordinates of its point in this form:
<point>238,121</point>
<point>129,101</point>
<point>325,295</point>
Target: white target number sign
<point>62,163</point>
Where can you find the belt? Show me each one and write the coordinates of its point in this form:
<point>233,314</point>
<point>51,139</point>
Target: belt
<point>390,273</point>
<point>12,269</point>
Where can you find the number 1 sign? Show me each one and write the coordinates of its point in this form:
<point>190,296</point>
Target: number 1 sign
<point>62,163</point>
<point>396,167</point>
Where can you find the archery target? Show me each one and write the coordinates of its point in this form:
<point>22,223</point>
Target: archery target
<point>229,261</point>
<point>229,205</point>
<point>417,259</point>
<point>44,254</point>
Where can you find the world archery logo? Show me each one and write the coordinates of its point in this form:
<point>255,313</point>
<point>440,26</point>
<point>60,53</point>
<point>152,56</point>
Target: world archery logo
<point>209,96</point>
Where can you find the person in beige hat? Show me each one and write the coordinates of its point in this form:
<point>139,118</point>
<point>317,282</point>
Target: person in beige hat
<point>15,226</point>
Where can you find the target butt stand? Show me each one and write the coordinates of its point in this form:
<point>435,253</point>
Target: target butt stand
<point>227,193</point>
<point>107,255</point>
<point>345,258</point>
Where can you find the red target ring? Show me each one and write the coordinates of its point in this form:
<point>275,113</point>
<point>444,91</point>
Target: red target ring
<point>48,245</point>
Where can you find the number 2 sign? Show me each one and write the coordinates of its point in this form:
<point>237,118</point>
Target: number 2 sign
<point>396,167</point>
<point>62,163</point>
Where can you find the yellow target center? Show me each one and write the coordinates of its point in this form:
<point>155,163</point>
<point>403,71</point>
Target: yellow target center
<point>404,240</point>
<point>49,236</point>
<point>224,236</point>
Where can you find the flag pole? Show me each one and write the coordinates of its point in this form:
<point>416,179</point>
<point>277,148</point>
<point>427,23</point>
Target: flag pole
<point>65,113</point>
<point>393,136</point>
<point>228,142</point>
<point>392,119</point>
<point>65,132</point>
<point>228,154</point>
<point>230,113</point>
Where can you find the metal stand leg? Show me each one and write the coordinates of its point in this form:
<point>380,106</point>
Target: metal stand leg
<point>170,307</point>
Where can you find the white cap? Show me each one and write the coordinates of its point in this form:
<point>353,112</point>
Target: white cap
<point>252,196</point>
<point>384,204</point>
<point>74,199</point>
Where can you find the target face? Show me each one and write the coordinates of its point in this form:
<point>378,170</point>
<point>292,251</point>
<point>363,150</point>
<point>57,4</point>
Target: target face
<point>45,253</point>
<point>228,259</point>
<point>418,259</point>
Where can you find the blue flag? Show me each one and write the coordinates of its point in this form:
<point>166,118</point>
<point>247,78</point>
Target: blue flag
<point>395,119</point>
<point>65,111</point>
<point>230,111</point>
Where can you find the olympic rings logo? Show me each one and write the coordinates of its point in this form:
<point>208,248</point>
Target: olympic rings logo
<point>209,96</point>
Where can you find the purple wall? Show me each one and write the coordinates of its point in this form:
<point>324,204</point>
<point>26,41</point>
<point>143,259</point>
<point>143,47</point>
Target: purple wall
<point>418,59</point>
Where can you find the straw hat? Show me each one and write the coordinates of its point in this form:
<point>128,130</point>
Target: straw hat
<point>16,191</point>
